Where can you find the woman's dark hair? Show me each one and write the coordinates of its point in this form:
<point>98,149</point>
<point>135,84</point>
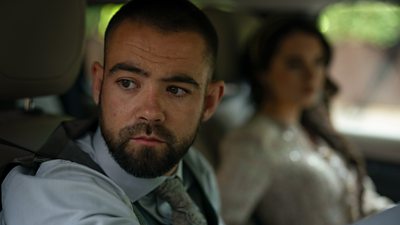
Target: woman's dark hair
<point>266,41</point>
<point>257,57</point>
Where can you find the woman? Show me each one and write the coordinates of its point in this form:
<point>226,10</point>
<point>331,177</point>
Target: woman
<point>288,165</point>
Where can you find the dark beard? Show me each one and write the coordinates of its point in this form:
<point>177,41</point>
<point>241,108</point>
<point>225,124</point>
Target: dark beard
<point>146,162</point>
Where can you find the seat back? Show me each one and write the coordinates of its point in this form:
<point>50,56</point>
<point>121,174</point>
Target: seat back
<point>41,46</point>
<point>233,28</point>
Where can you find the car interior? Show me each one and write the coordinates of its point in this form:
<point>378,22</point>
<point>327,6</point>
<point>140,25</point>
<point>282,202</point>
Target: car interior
<point>48,47</point>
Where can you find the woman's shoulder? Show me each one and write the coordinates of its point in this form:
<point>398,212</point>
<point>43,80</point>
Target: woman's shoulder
<point>257,126</point>
<point>257,133</point>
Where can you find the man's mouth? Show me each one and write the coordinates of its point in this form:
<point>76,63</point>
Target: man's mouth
<point>147,140</point>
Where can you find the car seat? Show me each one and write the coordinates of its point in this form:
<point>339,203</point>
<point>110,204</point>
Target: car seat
<point>41,46</point>
<point>233,28</point>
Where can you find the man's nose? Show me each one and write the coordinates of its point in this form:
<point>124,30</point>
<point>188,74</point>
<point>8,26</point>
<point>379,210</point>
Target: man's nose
<point>150,107</point>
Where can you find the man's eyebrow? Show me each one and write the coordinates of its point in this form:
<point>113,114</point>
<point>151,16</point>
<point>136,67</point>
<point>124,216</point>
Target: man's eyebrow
<point>182,78</point>
<point>128,67</point>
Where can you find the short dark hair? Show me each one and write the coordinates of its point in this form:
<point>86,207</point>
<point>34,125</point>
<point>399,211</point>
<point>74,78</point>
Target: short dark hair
<point>168,16</point>
<point>266,41</point>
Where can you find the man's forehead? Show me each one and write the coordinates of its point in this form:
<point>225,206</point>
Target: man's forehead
<point>133,39</point>
<point>145,37</point>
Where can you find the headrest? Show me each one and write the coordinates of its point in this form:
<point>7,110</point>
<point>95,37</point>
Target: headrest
<point>233,28</point>
<point>41,45</point>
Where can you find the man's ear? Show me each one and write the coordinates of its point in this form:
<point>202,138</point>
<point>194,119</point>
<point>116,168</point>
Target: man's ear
<point>214,94</point>
<point>97,79</point>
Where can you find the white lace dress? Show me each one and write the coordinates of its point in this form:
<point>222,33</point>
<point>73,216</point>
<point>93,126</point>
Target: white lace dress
<point>273,173</point>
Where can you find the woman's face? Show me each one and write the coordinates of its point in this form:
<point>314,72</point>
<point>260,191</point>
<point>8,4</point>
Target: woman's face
<point>296,73</point>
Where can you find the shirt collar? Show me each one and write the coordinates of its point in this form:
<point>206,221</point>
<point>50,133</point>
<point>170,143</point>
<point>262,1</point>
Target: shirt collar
<point>134,187</point>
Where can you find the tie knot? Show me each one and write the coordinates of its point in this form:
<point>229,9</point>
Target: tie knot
<point>184,210</point>
<point>173,191</point>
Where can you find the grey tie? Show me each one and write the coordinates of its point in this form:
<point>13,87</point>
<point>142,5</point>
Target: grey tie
<point>184,210</point>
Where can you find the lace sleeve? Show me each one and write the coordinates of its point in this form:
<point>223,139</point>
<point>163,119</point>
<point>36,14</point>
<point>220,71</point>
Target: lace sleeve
<point>242,177</point>
<point>373,201</point>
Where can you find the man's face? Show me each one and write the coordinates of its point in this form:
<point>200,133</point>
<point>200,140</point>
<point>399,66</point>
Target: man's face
<point>153,93</point>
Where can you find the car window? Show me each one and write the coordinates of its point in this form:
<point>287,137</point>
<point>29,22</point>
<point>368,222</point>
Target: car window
<point>366,38</point>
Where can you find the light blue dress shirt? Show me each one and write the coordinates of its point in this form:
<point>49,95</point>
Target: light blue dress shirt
<point>66,193</point>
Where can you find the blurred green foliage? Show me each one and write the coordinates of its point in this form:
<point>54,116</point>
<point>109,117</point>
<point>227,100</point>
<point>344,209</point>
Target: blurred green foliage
<point>377,23</point>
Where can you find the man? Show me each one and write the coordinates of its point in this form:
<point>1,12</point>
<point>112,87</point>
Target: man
<point>153,90</point>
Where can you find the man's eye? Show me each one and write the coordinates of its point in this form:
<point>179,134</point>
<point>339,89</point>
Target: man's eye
<point>127,84</point>
<point>180,92</point>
